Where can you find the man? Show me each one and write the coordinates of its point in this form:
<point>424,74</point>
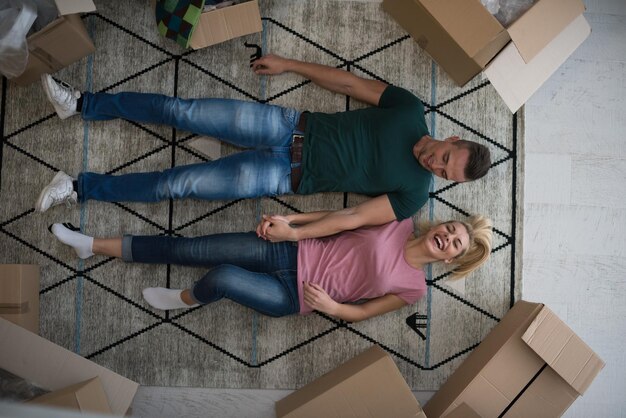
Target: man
<point>383,151</point>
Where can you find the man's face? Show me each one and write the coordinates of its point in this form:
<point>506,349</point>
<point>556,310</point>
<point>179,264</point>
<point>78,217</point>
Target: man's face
<point>443,158</point>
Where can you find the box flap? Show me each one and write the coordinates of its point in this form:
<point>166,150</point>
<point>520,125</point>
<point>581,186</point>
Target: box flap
<point>516,81</point>
<point>536,28</point>
<point>463,411</point>
<point>563,350</point>
<point>53,367</point>
<point>68,7</point>
<point>226,23</point>
<point>466,21</point>
<point>87,396</point>
<point>369,385</point>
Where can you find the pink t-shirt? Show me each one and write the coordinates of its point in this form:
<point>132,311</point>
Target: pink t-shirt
<point>363,264</point>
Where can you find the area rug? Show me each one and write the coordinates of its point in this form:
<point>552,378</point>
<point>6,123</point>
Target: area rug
<point>95,307</point>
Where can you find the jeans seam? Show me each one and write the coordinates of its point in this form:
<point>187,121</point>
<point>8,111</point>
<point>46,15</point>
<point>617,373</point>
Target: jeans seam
<point>279,273</point>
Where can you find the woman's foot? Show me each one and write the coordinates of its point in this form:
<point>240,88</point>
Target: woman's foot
<point>165,299</point>
<point>69,235</point>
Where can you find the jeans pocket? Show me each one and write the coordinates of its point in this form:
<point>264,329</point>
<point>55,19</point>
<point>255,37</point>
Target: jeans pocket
<point>291,116</point>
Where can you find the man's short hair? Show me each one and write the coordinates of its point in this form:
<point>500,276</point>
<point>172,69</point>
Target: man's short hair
<point>479,159</point>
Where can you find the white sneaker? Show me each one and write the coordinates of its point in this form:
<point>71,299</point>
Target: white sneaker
<point>63,97</point>
<point>59,190</point>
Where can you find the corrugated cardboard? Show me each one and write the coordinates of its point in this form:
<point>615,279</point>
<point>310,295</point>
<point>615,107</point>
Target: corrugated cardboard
<point>19,295</point>
<point>52,367</point>
<point>530,364</point>
<point>516,80</point>
<point>463,37</point>
<point>463,411</point>
<point>226,23</point>
<point>61,43</point>
<point>369,385</point>
<point>86,396</point>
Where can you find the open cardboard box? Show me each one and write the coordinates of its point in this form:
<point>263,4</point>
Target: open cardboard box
<point>226,23</point>
<point>465,39</point>
<point>61,43</point>
<point>52,367</point>
<point>530,365</point>
<point>367,386</point>
<point>87,396</point>
<point>19,295</point>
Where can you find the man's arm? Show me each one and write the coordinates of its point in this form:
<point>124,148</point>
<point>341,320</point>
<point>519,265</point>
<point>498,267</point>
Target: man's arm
<point>333,79</point>
<point>376,211</point>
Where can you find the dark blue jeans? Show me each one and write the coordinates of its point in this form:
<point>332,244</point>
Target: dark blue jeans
<point>244,268</point>
<point>263,169</point>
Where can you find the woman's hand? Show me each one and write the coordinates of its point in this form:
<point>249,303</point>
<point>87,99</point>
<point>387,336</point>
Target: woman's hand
<point>275,228</point>
<point>317,298</point>
<point>270,65</point>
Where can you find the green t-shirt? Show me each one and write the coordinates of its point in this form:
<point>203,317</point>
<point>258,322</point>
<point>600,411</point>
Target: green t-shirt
<point>369,151</point>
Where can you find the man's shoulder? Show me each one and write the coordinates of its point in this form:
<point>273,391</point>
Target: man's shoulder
<point>398,96</point>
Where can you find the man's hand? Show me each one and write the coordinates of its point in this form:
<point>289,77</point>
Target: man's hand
<point>275,228</point>
<point>317,298</point>
<point>270,65</point>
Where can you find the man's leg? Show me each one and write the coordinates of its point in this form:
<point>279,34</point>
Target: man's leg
<point>242,175</point>
<point>245,124</point>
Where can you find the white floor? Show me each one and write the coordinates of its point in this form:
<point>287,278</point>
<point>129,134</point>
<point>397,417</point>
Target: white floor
<point>574,223</point>
<point>575,201</point>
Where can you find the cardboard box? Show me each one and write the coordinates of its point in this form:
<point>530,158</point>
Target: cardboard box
<point>369,385</point>
<point>87,396</point>
<point>52,367</point>
<point>226,23</point>
<point>530,365</point>
<point>464,38</point>
<point>61,43</point>
<point>19,295</point>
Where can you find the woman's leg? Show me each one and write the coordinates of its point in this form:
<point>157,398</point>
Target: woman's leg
<point>242,175</point>
<point>273,294</point>
<point>242,249</point>
<point>245,124</point>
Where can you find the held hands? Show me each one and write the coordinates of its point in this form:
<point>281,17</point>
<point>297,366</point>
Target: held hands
<point>275,228</point>
<point>270,65</point>
<point>317,298</point>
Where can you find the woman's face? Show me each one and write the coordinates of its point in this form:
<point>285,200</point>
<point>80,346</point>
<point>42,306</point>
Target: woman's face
<point>447,240</point>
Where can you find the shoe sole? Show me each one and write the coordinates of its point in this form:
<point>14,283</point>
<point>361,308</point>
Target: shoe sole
<point>38,205</point>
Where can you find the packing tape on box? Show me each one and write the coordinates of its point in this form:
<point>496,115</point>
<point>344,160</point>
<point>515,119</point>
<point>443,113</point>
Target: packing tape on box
<point>14,308</point>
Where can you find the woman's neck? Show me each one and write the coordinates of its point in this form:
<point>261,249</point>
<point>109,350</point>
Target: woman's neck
<point>415,252</point>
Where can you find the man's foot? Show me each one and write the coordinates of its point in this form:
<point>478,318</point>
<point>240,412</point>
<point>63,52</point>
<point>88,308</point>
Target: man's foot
<point>165,299</point>
<point>63,97</point>
<point>69,235</point>
<point>59,190</point>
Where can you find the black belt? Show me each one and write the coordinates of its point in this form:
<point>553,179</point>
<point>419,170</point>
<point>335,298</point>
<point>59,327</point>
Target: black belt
<point>297,142</point>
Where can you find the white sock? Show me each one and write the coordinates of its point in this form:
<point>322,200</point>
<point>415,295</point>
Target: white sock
<point>165,299</point>
<point>81,243</point>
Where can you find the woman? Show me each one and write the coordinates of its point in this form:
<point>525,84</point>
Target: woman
<point>383,264</point>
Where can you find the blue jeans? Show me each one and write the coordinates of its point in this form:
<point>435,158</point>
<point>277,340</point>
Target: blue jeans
<point>244,268</point>
<point>264,169</point>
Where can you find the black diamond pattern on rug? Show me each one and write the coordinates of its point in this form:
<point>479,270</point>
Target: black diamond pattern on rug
<point>95,308</point>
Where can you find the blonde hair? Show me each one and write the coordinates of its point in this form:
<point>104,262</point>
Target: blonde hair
<point>480,234</point>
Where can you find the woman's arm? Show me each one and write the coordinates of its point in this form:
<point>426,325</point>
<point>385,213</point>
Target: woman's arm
<point>317,298</point>
<point>375,211</point>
